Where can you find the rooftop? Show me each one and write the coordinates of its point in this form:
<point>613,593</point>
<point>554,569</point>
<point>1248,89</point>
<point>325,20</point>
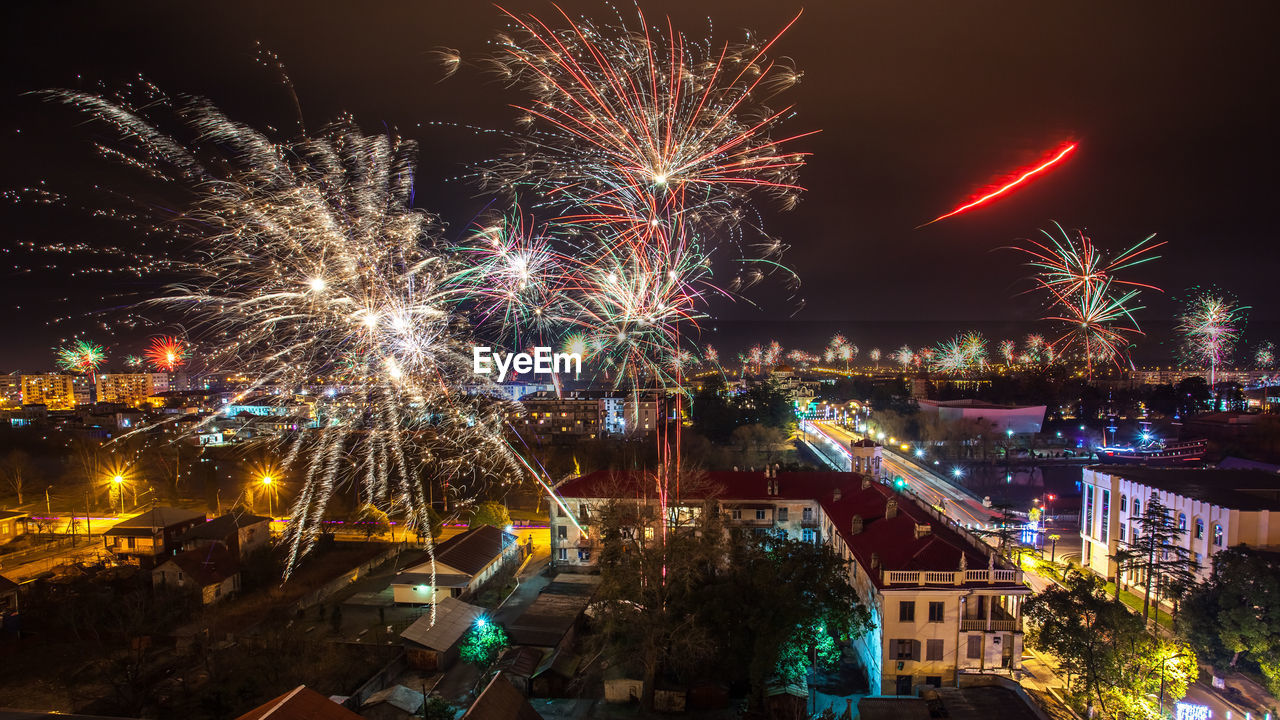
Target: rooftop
<point>155,518</point>
<point>300,703</point>
<point>899,543</point>
<point>1232,489</point>
<point>469,552</point>
<point>501,701</point>
<point>222,527</point>
<point>207,565</point>
<point>452,618</point>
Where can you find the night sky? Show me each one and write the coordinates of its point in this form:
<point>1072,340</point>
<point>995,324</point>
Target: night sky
<point>920,104</point>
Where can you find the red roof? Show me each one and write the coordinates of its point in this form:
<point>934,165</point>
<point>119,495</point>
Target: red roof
<point>893,540</point>
<point>301,703</point>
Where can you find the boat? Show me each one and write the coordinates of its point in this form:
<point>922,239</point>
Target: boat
<point>1157,452</point>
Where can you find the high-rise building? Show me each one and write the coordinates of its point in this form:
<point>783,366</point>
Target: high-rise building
<point>130,388</point>
<point>57,392</point>
<point>10,390</point>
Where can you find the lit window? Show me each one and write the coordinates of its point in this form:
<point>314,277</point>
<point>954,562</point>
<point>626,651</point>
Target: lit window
<point>1182,521</point>
<point>1217,535</point>
<point>1199,529</point>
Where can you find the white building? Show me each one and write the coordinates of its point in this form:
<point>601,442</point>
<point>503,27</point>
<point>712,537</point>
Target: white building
<point>461,566</point>
<point>1217,509</point>
<point>1021,419</point>
<point>941,602</point>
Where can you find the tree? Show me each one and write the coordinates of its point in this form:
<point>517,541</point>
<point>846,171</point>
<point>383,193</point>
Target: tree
<point>17,468</point>
<point>483,643</point>
<point>1086,631</point>
<point>490,513</point>
<point>1157,556</point>
<point>1008,529</point>
<point>1236,613</point>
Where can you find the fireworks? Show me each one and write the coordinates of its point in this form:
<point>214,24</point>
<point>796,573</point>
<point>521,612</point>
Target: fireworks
<point>1008,350</point>
<point>961,355</point>
<point>645,148</point>
<point>874,356</point>
<point>1056,157</point>
<point>134,361</point>
<point>1264,357</point>
<point>1210,325</point>
<point>166,353</point>
<point>306,261</point>
<point>81,356</point>
<point>905,356</point>
<point>1085,294</point>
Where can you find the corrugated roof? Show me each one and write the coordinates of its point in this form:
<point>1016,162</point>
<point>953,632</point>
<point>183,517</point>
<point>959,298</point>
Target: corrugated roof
<point>399,697</point>
<point>300,703</point>
<point>452,618</point>
<point>222,527</point>
<point>471,551</point>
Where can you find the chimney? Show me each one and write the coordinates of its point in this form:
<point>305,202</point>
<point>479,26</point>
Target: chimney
<point>922,530</point>
<point>866,481</point>
<point>835,495</point>
<point>855,526</point>
<point>875,560</point>
<point>891,508</point>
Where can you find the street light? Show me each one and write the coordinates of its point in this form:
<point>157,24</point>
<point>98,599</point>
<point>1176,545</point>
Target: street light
<point>118,481</point>
<point>267,481</point>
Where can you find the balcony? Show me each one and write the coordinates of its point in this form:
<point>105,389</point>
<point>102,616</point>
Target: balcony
<point>993,625</point>
<point>809,522</point>
<point>947,577</point>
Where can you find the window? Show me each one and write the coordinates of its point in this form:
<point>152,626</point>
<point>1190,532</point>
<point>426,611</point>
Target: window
<point>1086,518</point>
<point>1137,506</point>
<point>1122,532</point>
<point>934,680</point>
<point>1106,515</point>
<point>904,649</point>
<point>584,555</point>
<point>562,532</point>
<point>808,535</point>
<point>782,514</point>
<point>937,611</point>
<point>564,554</point>
<point>736,514</point>
<point>933,650</point>
<point>1124,503</point>
<point>974,651</point>
<point>1217,535</point>
<point>807,515</point>
<point>1199,529</point>
<point>1182,521</point>
<point>760,515</point>
<point>907,611</point>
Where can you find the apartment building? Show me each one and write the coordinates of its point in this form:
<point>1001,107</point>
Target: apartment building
<point>132,389</point>
<point>1216,508</point>
<point>53,390</point>
<point>589,413</point>
<point>942,602</point>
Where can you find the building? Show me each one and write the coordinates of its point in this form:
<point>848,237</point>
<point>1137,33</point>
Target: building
<point>1018,419</point>
<point>147,538</point>
<point>10,390</point>
<point>1171,376</point>
<point>9,591</point>
<point>300,703</point>
<point>500,700</point>
<point>239,532</point>
<point>212,571</point>
<point>589,414</point>
<point>942,602</point>
<point>431,642</point>
<point>463,564</point>
<point>132,389</point>
<point>12,524</point>
<point>54,391</point>
<point>865,456</point>
<point>1217,508</point>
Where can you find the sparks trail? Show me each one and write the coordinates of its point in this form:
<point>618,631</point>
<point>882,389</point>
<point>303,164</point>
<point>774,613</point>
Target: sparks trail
<point>1059,155</point>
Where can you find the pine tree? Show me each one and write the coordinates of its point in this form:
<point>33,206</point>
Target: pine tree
<point>1157,553</point>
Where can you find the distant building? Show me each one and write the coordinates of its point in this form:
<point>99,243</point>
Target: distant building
<point>1171,376</point>
<point>866,456</point>
<point>463,564</point>
<point>132,389</point>
<point>1216,508</point>
<point>10,390</point>
<point>147,538</point>
<point>54,391</point>
<point>12,524</point>
<point>942,601</point>
<point>589,414</point>
<point>1021,419</point>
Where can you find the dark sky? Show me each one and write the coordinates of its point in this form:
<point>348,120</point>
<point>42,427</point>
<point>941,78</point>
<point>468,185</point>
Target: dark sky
<point>919,103</point>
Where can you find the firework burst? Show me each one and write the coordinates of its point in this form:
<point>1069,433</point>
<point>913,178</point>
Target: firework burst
<point>1264,357</point>
<point>166,353</point>
<point>306,261</point>
<point>81,356</point>
<point>1210,324</point>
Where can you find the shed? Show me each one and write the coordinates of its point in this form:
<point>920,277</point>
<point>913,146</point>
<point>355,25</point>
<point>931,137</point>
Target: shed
<point>393,703</point>
<point>501,701</point>
<point>431,646</point>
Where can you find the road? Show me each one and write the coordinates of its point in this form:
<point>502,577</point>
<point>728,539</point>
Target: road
<point>955,502</point>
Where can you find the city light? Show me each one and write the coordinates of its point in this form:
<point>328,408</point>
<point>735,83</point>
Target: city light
<point>957,472</point>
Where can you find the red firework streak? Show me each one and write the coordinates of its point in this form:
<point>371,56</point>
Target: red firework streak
<point>1058,156</point>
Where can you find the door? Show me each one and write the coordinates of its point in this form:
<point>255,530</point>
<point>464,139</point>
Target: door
<point>903,686</point>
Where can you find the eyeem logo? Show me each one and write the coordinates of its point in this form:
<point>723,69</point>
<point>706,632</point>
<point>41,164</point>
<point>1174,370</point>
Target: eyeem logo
<point>542,362</point>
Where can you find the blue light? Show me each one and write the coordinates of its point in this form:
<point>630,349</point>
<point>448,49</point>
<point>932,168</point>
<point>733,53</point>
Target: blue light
<point>480,622</point>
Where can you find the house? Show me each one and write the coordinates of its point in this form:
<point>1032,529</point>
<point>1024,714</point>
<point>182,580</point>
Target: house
<point>942,602</point>
<point>12,524</point>
<point>8,596</point>
<point>300,703</point>
<point>553,615</point>
<point>145,539</point>
<point>1216,508</point>
<point>213,571</point>
<point>519,664</point>
<point>240,532</point>
<point>431,642</point>
<point>501,701</point>
<point>393,703</point>
<point>463,564</point>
